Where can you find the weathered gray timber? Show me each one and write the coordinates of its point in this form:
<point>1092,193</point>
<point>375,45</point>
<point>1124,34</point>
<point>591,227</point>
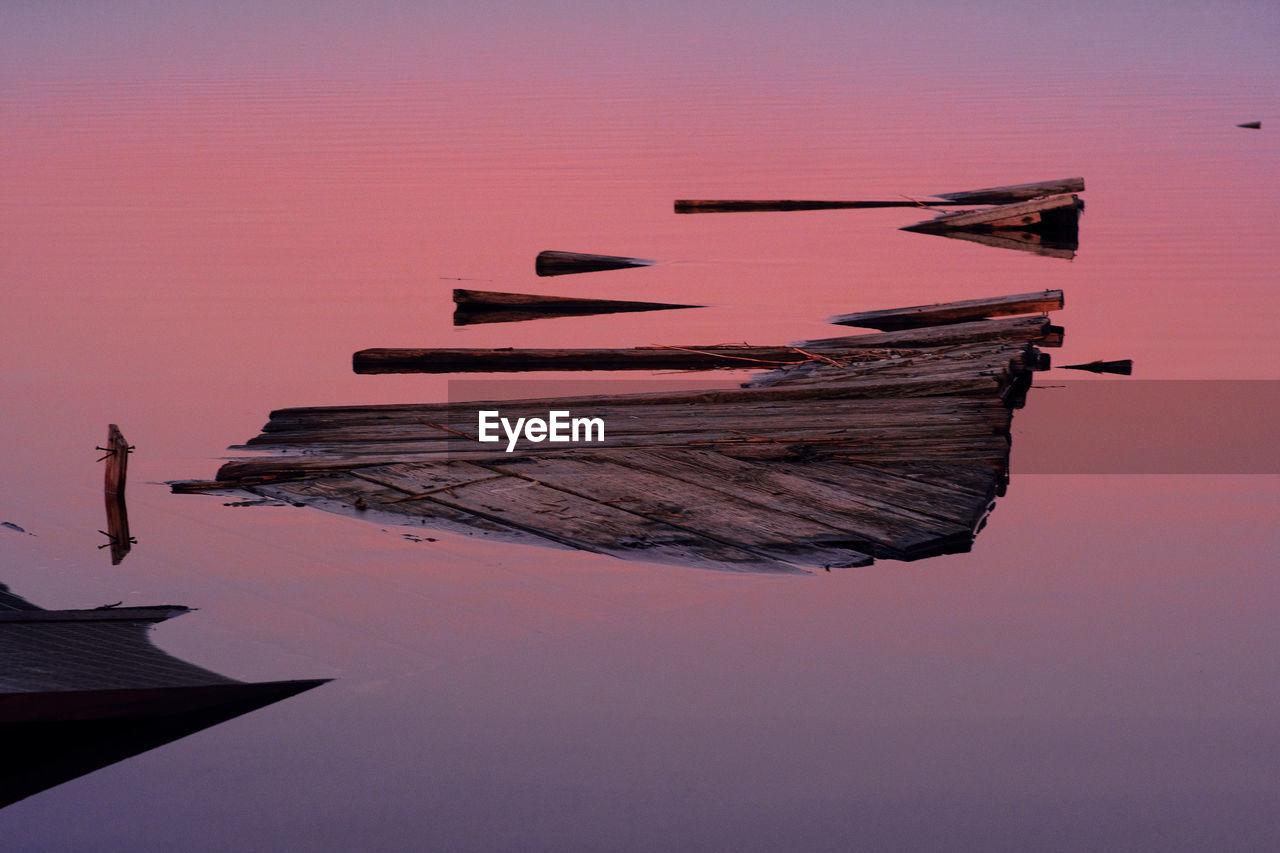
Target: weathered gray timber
<point>696,357</point>
<point>568,263</point>
<point>1016,192</point>
<point>988,195</point>
<point>953,312</point>
<point>116,453</point>
<point>486,306</point>
<point>888,445</point>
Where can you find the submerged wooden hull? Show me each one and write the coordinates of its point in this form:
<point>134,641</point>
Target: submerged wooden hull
<point>891,445</point>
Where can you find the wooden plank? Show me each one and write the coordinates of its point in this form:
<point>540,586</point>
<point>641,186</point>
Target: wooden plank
<point>553,262</point>
<point>953,312</point>
<point>692,205</point>
<point>358,497</point>
<point>961,499</point>
<point>443,360</point>
<point>697,509</point>
<point>117,452</point>
<point>1016,192</point>
<point>826,435</point>
<point>1017,215</point>
<point>972,479</point>
<point>425,414</point>
<point>639,421</point>
<point>483,306</point>
<point>882,528</point>
<point>584,523</point>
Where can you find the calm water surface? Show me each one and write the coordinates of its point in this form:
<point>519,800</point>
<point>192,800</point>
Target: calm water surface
<point>206,210</point>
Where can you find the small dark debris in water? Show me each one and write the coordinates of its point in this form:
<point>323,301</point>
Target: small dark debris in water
<point>1251,125</point>
<point>483,306</point>
<point>108,606</point>
<point>263,502</point>
<point>567,263</point>
<point>413,538</point>
<point>9,525</point>
<point>1123,367</point>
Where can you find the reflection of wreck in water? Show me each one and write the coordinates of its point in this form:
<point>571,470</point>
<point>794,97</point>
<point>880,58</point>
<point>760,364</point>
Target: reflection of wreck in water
<point>1047,226</point>
<point>889,445</point>
<point>81,689</point>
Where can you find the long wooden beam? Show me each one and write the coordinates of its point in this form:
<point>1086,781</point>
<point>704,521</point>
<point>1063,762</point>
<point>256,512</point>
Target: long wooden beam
<point>987,195</point>
<point>953,312</point>
<point>1016,192</point>
<point>447,360</point>
<point>693,205</point>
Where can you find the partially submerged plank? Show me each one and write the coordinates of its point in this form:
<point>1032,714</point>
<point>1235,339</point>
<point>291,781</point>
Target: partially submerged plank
<point>1121,367</point>
<point>449,360</point>
<point>574,521</point>
<point>1019,215</point>
<point>1016,192</point>
<point>1011,329</point>
<point>553,262</point>
<point>943,313</point>
<point>371,361</point>
<point>484,306</point>
<point>693,205</point>
<point>432,415</point>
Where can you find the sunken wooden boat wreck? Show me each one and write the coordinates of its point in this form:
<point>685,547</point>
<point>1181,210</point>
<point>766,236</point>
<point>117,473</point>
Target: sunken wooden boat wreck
<point>887,445</point>
<point>81,689</point>
<point>472,307</point>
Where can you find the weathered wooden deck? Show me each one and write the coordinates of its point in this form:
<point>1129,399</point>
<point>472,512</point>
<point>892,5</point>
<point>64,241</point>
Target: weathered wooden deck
<point>887,445</point>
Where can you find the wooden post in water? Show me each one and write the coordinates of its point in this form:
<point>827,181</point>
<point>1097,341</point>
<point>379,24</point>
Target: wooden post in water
<point>117,456</point>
